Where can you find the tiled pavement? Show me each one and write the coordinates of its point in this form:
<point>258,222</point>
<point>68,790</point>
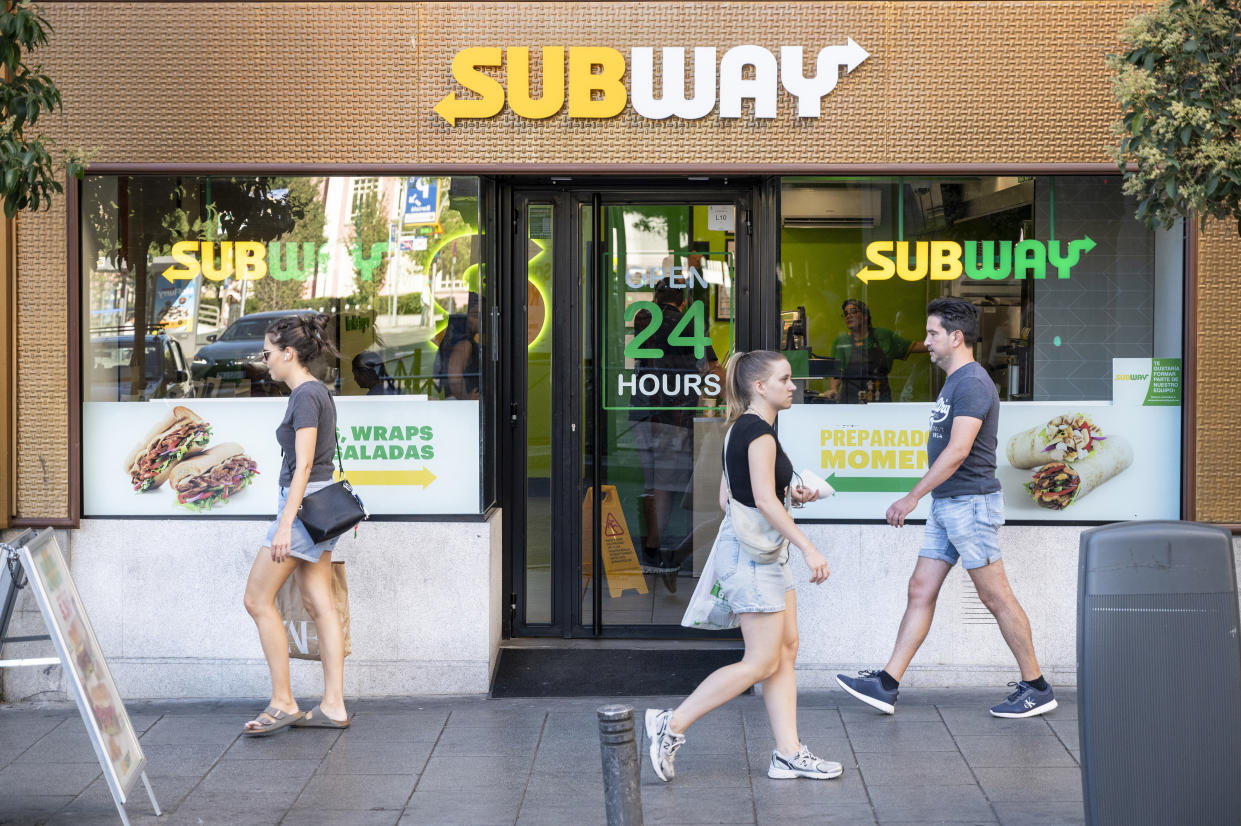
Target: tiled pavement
<point>941,759</point>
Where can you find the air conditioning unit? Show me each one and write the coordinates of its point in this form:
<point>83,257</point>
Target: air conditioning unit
<point>831,207</point>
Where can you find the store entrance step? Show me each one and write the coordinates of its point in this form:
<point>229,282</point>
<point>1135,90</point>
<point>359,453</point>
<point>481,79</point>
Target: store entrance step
<point>606,672</point>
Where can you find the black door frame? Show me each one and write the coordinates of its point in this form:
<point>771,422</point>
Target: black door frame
<point>756,291</point>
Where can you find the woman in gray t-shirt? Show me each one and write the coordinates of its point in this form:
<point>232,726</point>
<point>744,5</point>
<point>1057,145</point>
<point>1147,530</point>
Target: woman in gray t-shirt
<point>307,437</point>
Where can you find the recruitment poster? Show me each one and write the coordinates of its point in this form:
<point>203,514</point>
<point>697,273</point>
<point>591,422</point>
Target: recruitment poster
<point>1096,461</point>
<point>219,457</point>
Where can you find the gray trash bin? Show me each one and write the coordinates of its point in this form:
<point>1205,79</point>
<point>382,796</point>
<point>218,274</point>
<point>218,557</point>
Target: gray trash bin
<point>1159,675</point>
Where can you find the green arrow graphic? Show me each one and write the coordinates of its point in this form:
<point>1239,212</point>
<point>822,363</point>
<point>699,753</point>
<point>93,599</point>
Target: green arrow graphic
<point>873,484</point>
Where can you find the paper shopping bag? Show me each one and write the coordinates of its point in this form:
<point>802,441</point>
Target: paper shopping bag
<point>302,632</point>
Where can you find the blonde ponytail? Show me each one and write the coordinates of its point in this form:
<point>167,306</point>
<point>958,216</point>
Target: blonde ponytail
<point>740,373</point>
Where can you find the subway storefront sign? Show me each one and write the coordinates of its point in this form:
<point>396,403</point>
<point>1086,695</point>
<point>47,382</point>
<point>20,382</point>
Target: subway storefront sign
<point>979,260</point>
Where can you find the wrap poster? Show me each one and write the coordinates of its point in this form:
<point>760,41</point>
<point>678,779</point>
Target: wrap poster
<point>1056,461</point>
<point>219,457</point>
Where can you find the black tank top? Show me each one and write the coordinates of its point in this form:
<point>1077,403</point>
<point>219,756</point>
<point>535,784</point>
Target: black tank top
<point>737,458</point>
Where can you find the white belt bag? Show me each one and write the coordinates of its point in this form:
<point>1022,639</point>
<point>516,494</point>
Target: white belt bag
<point>758,539</point>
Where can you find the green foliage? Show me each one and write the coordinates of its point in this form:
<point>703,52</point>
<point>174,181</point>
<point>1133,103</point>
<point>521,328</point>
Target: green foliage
<point>27,170</point>
<point>309,221</point>
<point>1179,87</point>
<point>370,226</point>
<point>408,304</point>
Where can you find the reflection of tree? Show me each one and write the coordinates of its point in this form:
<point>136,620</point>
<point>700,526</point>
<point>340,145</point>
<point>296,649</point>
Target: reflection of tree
<point>370,227</point>
<point>151,213</point>
<point>304,200</point>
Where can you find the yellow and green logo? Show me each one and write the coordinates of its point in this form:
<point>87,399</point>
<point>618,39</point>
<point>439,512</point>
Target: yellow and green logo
<point>979,260</point>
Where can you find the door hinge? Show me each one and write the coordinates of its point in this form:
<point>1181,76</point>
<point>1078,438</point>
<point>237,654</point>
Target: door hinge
<point>514,410</point>
<point>512,606</point>
<point>749,225</point>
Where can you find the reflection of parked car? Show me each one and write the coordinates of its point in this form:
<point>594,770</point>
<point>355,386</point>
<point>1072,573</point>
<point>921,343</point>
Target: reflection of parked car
<point>167,376</point>
<point>236,356</point>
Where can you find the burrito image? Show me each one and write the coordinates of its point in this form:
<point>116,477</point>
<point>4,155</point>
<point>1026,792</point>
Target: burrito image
<point>180,432</point>
<point>210,477</point>
<point>1065,438</point>
<point>1057,485</point>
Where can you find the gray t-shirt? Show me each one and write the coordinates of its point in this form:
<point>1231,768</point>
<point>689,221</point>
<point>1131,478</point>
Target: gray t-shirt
<point>967,392</point>
<point>310,405</point>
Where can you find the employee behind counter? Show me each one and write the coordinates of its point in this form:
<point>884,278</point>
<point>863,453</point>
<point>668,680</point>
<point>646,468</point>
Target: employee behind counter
<point>866,354</point>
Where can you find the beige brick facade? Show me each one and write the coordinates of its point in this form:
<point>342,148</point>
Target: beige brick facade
<point>947,83</point>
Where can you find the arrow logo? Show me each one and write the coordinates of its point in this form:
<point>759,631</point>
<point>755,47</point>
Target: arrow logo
<point>448,109</point>
<point>407,478</point>
<point>873,484</point>
<point>811,90</point>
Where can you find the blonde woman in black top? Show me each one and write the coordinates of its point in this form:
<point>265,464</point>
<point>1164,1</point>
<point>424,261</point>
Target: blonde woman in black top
<point>758,385</point>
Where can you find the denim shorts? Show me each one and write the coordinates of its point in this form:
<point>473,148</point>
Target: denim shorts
<point>964,528</point>
<point>749,587</point>
<point>301,546</point>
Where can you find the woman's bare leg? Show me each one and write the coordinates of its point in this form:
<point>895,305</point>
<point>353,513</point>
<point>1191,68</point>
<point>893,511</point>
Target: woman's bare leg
<point>762,634</point>
<point>266,577</point>
<point>780,689</point>
<point>315,581</point>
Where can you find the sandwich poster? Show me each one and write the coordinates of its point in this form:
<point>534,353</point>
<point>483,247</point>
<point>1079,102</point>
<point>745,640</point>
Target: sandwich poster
<point>219,457</point>
<point>1056,461</point>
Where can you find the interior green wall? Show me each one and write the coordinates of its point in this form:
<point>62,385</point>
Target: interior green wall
<point>817,271</point>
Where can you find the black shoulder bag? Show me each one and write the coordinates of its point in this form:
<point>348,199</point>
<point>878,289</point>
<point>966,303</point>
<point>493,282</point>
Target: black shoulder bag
<point>330,511</point>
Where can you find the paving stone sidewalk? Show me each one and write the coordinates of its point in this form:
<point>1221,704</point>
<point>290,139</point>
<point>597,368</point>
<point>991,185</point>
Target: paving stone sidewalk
<point>941,759</point>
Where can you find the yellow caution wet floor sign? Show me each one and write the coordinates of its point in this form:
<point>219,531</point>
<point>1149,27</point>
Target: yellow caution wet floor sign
<point>620,560</point>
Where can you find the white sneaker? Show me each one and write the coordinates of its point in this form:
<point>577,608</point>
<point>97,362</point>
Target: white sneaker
<point>802,764</point>
<point>664,744</point>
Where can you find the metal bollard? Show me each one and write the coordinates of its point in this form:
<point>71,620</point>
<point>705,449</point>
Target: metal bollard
<point>622,794</point>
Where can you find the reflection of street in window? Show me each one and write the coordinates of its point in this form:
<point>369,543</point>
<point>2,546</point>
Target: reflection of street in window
<point>457,361</point>
<point>663,428</point>
<point>371,375</point>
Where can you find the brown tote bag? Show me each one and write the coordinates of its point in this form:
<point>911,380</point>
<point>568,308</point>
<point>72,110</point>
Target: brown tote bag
<point>300,628</point>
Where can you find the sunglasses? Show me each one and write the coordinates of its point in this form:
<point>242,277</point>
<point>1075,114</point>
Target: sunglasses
<point>267,355</point>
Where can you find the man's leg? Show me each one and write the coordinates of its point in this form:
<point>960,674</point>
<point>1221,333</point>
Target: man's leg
<point>995,592</point>
<point>924,585</point>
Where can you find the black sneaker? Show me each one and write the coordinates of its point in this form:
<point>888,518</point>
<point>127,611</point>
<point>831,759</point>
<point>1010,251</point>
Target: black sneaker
<point>664,744</point>
<point>1026,701</point>
<point>868,688</point>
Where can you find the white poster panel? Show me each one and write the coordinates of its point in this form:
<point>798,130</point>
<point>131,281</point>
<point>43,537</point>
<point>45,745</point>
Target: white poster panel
<point>86,670</point>
<point>873,454</point>
<point>403,456</point>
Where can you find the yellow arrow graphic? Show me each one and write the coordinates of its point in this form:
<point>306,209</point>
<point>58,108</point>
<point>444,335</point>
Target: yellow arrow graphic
<point>421,477</point>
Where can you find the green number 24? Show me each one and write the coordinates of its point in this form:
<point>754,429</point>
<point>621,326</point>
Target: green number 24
<point>695,313</point>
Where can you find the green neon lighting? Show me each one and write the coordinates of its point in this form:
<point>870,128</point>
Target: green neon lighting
<point>542,290</point>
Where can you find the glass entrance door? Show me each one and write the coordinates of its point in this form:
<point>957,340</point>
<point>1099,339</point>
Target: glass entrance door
<point>620,415</point>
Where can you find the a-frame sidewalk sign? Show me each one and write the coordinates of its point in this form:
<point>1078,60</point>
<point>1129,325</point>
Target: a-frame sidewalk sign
<point>35,560</point>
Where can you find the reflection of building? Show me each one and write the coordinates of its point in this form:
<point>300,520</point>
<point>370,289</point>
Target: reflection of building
<point>344,200</point>
<point>810,194</point>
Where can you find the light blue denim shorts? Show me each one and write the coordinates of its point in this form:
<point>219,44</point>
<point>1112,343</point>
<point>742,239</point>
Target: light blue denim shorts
<point>964,528</point>
<point>749,587</point>
<point>301,547</point>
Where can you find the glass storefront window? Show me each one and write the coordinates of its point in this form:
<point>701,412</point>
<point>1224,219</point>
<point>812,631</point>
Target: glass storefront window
<point>183,274</point>
<point>1078,302</point>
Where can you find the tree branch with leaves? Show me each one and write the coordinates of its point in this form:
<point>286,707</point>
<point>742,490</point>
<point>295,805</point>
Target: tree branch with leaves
<point>27,170</point>
<point>1178,83</point>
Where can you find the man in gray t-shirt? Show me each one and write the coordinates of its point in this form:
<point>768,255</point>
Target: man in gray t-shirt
<point>967,509</point>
